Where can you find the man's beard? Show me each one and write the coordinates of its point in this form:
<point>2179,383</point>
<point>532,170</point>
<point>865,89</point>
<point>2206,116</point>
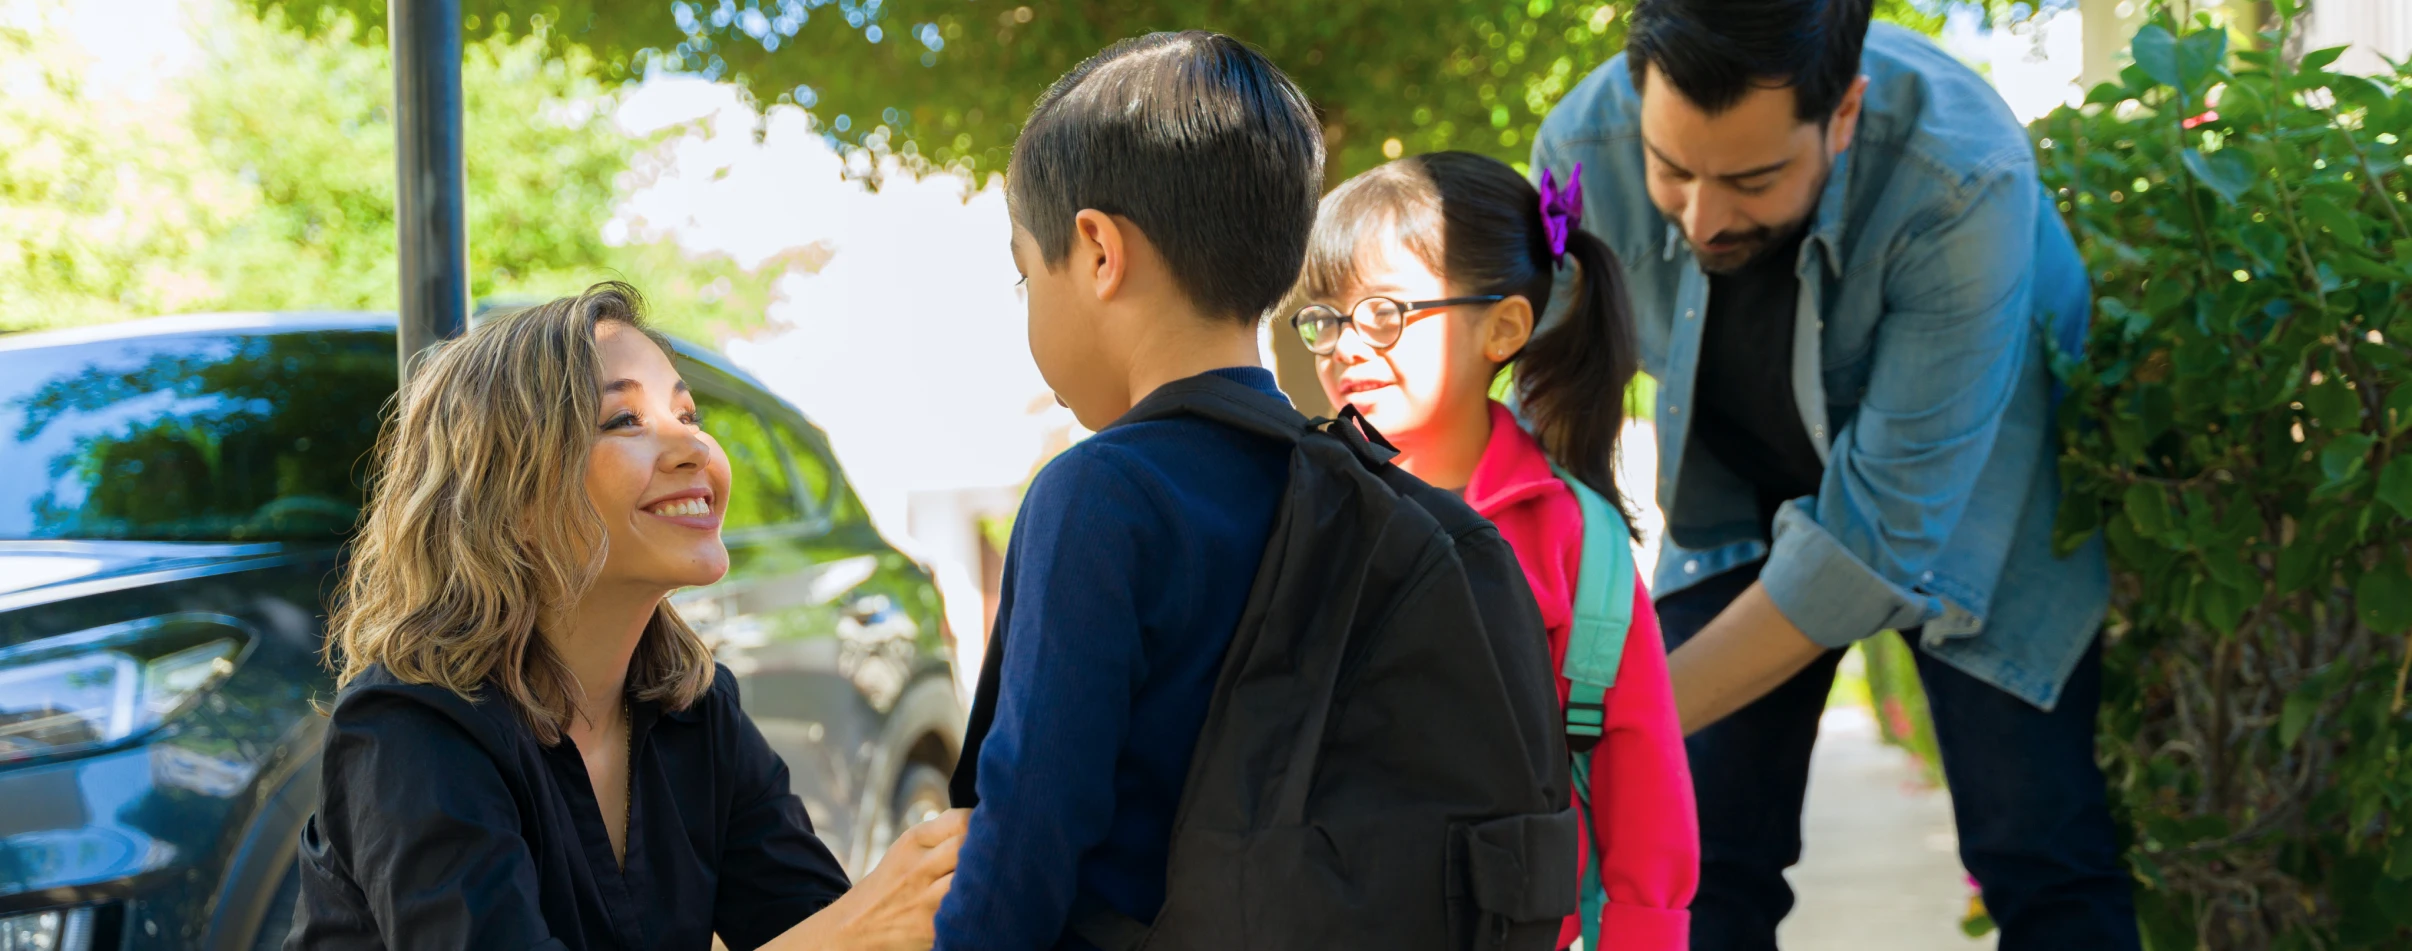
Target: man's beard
<point>1751,246</point>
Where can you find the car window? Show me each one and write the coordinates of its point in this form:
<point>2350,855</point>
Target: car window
<point>811,466</point>
<point>234,437</point>
<point>759,493</point>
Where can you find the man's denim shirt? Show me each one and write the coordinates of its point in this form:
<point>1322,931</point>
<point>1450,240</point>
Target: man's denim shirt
<point>1933,272</point>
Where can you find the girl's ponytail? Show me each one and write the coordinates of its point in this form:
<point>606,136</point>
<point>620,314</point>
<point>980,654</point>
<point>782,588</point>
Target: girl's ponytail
<point>1571,379</point>
<point>1487,230</point>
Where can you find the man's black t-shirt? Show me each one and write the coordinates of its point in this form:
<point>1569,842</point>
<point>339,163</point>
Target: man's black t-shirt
<point>1743,393</point>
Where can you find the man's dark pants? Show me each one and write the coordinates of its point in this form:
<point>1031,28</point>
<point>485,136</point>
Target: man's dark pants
<point>2030,802</point>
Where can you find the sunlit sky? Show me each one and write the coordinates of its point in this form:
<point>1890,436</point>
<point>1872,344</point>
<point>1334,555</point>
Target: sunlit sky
<point>2034,67</point>
<point>134,45</point>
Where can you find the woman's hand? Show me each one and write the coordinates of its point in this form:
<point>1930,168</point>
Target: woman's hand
<point>893,908</point>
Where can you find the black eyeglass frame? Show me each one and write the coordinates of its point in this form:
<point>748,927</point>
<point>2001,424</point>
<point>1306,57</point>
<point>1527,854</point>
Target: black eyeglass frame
<point>1348,319</point>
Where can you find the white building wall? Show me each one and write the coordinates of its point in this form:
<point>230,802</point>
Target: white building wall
<point>2375,28</point>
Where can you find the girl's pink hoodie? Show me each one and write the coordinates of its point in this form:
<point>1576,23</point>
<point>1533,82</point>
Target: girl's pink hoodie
<point>1641,784</point>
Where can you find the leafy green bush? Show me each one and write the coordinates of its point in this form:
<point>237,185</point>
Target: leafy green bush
<point>2237,428</point>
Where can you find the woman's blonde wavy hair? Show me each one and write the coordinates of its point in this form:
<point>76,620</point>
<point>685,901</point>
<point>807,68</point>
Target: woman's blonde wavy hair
<point>479,532</point>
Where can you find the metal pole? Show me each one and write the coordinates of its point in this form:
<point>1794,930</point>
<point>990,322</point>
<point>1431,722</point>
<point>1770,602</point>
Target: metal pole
<point>429,215</point>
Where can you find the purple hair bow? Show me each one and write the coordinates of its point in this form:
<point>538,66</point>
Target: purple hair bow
<point>1561,208</point>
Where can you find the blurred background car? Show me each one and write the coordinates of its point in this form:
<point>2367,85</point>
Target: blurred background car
<point>174,497</point>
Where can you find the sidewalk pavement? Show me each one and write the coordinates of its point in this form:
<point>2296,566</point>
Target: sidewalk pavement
<point>1880,869</point>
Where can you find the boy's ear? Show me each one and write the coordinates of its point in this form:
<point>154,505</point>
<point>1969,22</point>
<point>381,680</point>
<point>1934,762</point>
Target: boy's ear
<point>1101,252</point>
<point>1506,327</point>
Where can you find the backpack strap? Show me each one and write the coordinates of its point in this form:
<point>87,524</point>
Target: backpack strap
<point>1223,400</point>
<point>1249,409</point>
<point>1595,646</point>
<point>1603,613</point>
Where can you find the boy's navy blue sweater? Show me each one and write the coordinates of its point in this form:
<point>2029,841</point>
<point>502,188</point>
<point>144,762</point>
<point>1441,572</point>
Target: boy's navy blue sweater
<point>1130,561</point>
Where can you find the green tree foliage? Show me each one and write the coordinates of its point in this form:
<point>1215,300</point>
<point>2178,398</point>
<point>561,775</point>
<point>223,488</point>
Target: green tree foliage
<point>2240,429</point>
<point>950,80</point>
<point>263,179</point>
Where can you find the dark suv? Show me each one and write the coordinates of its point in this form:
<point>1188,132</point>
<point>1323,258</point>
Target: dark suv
<point>174,495</point>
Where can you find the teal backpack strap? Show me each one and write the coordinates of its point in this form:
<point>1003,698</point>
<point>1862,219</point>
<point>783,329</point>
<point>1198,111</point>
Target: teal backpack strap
<point>1594,894</point>
<point>1595,646</point>
<point>1603,613</point>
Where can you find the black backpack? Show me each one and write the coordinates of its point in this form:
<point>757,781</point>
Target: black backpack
<point>1382,765</point>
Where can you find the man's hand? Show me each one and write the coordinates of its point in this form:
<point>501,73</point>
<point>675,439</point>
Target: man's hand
<point>893,908</point>
<point>1748,650</point>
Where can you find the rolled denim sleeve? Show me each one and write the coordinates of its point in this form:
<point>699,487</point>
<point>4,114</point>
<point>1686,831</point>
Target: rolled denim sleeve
<point>1949,351</point>
<point>1829,592</point>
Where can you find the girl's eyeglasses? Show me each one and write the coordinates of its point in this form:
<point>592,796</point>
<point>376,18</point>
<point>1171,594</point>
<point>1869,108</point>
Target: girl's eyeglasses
<point>1378,320</point>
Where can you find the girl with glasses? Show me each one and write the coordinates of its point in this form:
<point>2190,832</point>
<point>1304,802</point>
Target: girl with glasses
<point>1428,281</point>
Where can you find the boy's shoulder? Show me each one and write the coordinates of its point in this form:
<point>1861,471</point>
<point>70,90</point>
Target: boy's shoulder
<point>1095,476</point>
<point>1160,468</point>
<point>1156,450</point>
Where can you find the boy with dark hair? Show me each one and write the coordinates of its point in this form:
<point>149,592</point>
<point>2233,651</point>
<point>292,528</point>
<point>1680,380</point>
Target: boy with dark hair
<point>1251,684</point>
<point>1161,196</point>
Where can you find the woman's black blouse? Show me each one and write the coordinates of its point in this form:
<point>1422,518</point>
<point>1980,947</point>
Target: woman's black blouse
<point>443,823</point>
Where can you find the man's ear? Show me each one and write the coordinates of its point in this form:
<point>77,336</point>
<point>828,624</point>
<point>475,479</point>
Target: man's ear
<point>1845,123</point>
<point>1100,252</point>
<point>1506,327</point>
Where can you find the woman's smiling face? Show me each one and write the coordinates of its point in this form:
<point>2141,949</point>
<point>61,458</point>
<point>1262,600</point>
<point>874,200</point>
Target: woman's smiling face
<point>660,482</point>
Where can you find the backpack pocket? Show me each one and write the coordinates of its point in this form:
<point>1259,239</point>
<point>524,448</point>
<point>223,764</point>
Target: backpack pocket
<point>1367,881</point>
<point>1512,880</point>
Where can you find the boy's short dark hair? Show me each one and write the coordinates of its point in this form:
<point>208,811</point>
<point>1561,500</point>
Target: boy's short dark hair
<point>1195,138</point>
<point>1715,51</point>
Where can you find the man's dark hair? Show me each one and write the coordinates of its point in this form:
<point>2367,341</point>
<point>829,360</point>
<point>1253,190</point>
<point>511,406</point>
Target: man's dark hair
<point>1715,51</point>
<point>1195,138</point>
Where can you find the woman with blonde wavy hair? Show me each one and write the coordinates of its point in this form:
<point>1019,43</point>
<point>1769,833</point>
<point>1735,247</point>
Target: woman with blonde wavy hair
<point>530,750</point>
